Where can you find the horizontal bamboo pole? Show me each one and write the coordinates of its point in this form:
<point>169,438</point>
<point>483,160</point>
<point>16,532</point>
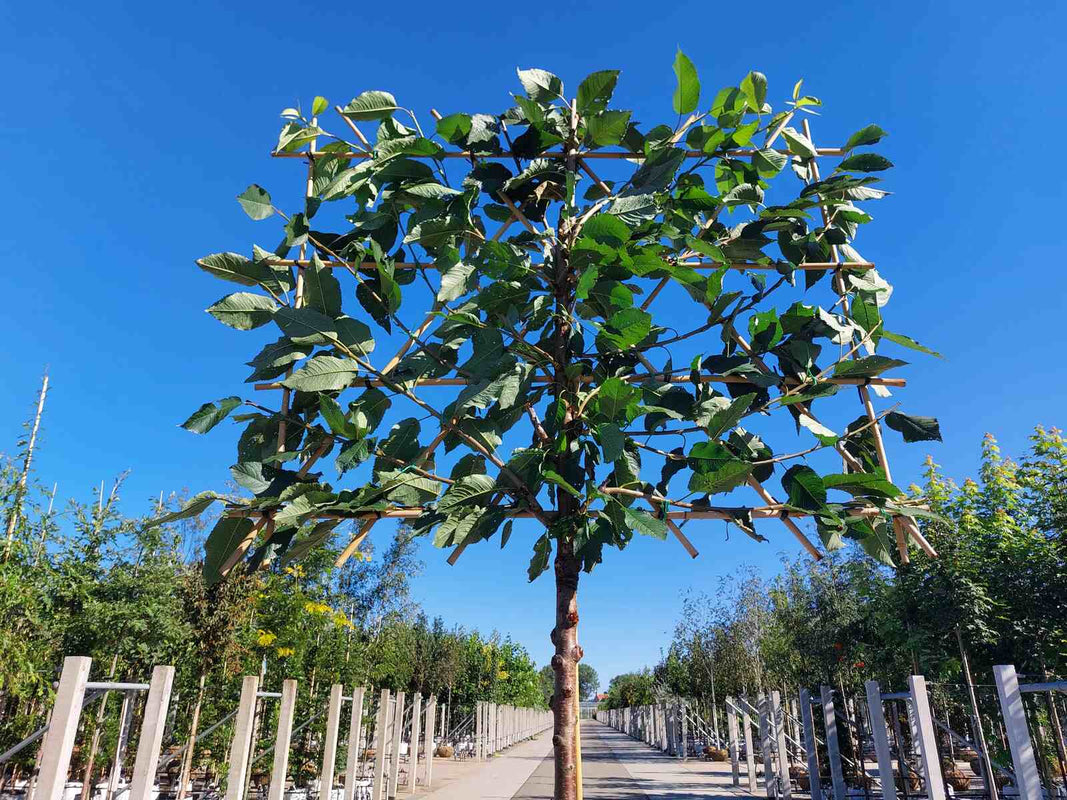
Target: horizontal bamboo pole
<point>591,154</point>
<point>368,382</point>
<point>811,266</point>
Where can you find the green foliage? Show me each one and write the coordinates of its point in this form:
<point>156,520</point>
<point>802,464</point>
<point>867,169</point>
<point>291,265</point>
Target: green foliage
<point>539,279</point>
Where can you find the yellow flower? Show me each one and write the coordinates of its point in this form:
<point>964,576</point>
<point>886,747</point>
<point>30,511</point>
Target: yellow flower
<point>312,607</point>
<point>283,652</point>
<point>266,638</point>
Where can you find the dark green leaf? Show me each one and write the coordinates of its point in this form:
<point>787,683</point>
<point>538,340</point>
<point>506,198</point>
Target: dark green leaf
<point>323,374</point>
<point>872,134</point>
<point>595,92</point>
<point>371,105</point>
<point>866,367</point>
<point>243,310</point>
<point>805,487</point>
<point>256,202</point>
<point>222,542</point>
<point>211,414</point>
<point>914,429</point>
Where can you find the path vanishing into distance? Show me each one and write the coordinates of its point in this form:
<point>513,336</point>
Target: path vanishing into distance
<point>613,766</point>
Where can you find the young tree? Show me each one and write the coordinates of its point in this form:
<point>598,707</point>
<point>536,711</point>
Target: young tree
<point>539,239</point>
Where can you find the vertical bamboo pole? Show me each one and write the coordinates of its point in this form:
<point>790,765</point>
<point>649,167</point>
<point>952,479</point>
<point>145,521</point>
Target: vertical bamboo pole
<point>20,488</point>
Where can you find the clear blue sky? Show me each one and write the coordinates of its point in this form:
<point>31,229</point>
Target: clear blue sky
<point>127,131</point>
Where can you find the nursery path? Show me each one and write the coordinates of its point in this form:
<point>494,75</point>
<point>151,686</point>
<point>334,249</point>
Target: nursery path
<point>616,766</point>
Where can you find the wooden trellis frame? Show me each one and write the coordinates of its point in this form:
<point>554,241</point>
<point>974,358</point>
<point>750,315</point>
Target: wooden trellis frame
<point>904,525</point>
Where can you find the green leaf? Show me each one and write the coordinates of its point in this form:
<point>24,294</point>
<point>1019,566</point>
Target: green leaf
<point>726,418</point>
<point>799,144</point>
<point>323,374</point>
<point>542,552</point>
<point>256,202</point>
<point>238,269</point>
<point>211,414</point>
<point>322,291</point>
<point>371,105</point>
<point>456,282</point>
<point>505,533</point>
<point>754,86</point>
<point>805,487</point>
<point>644,523</point>
<point>560,481</point>
<point>354,335</point>
<point>595,92</point>
<point>729,476</point>
<point>472,489</point>
<point>222,542</point>
<point>687,93</point>
<point>608,127</point>
<point>196,505</point>
<point>541,86</point>
<point>865,314</point>
<point>907,341</point>
<point>866,367</point>
<point>612,441</point>
<point>872,134</point>
<point>865,162</point>
<point>862,484</point>
<point>769,161</point>
<point>914,429</point>
<point>305,325</point>
<point>335,418</point>
<point>454,128</point>
<point>615,399</point>
<point>319,105</point>
<point>243,310</point>
<point>628,327</point>
<point>249,474</point>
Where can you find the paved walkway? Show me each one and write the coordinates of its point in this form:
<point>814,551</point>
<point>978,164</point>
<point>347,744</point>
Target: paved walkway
<point>497,779</point>
<point>616,766</point>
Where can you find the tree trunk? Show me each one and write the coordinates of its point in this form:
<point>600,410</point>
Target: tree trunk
<point>190,747</point>
<point>565,667</point>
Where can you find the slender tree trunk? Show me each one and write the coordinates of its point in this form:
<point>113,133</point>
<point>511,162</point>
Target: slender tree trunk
<point>187,761</point>
<point>20,488</point>
<point>565,667</point>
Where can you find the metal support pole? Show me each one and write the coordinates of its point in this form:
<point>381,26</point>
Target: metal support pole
<point>282,738</point>
<point>880,734</point>
<point>1027,778</point>
<point>924,723</point>
<point>62,728</point>
<point>833,749</point>
<point>241,746</point>
<point>152,726</point>
<point>811,746</point>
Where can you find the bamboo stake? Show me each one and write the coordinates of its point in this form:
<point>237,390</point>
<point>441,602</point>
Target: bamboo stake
<point>419,331</point>
<point>596,178</point>
<point>505,155</point>
<point>350,550</point>
<point>681,537</point>
<point>355,130</point>
<point>587,379</point>
<point>792,526</point>
<point>774,266</point>
<point>20,487</point>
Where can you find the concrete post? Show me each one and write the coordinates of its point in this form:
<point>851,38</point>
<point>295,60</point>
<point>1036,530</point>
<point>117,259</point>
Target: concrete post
<point>811,748</point>
<point>397,731</point>
<point>924,722</point>
<point>478,731</point>
<point>1027,778</point>
<point>355,741</point>
<point>833,749</point>
<point>329,751</point>
<point>763,703</point>
<point>241,747</point>
<point>413,750</point>
<point>781,743</point>
<point>152,733</point>
<point>734,743</point>
<point>683,712</point>
<point>880,735</point>
<point>282,738</point>
<point>750,752</point>
<point>431,713</point>
<point>381,732</point>
<point>62,728</point>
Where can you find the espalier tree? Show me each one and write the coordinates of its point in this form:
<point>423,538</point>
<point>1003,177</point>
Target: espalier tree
<point>537,362</point>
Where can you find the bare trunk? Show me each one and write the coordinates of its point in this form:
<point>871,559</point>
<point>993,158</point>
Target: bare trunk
<point>20,489</point>
<point>565,667</point>
<point>187,761</point>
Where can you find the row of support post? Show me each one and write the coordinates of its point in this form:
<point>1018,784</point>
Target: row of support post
<point>498,727</point>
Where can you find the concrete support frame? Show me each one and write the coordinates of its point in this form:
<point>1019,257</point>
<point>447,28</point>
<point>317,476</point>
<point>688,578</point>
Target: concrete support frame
<point>734,744</point>
<point>413,750</point>
<point>241,747</point>
<point>479,752</point>
<point>683,713</point>
<point>811,748</point>
<point>381,732</point>
<point>880,735</point>
<point>750,751</point>
<point>62,728</point>
<point>355,741</point>
<point>329,750</point>
<point>397,732</point>
<point>781,743</point>
<point>763,707</point>
<point>431,712</point>
<point>1027,778</point>
<point>282,739</point>
<point>924,722</point>
<point>152,733</point>
<point>833,749</point>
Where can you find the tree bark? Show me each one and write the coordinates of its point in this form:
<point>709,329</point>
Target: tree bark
<point>565,667</point>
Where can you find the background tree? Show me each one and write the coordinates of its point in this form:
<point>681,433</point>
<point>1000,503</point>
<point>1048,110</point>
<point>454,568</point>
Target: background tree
<point>539,274</point>
<point>588,682</point>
